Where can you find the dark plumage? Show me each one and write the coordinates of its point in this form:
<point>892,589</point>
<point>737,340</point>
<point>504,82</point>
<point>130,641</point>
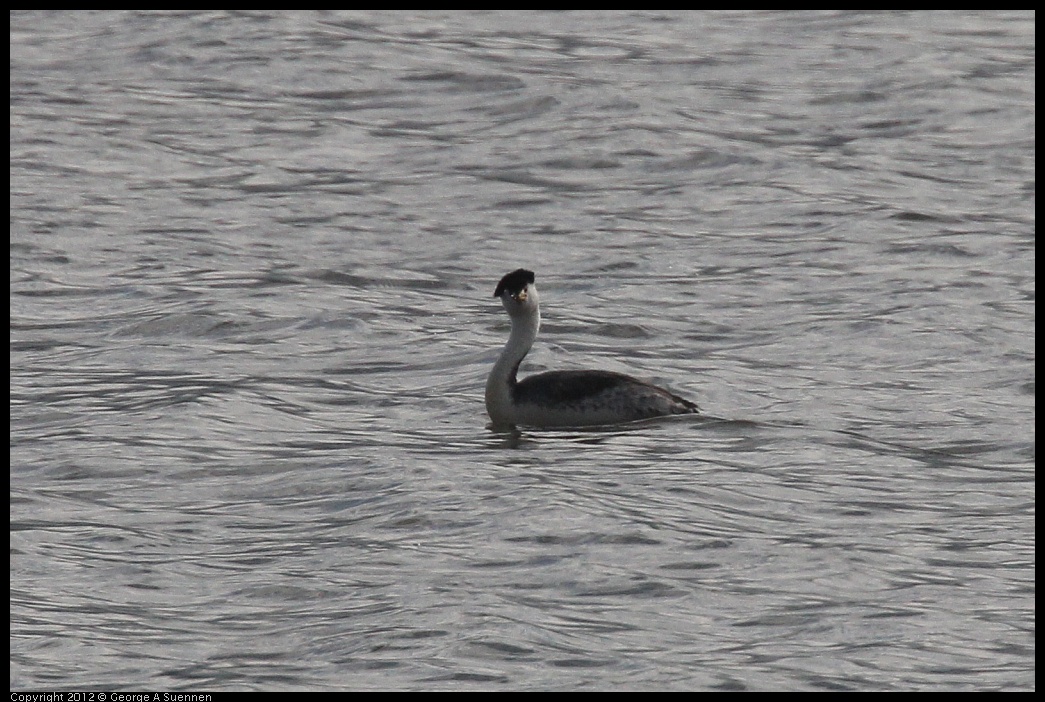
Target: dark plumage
<point>514,282</point>
<point>562,398</point>
<point>579,388</point>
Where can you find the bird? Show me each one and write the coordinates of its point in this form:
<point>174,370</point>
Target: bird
<point>570,398</point>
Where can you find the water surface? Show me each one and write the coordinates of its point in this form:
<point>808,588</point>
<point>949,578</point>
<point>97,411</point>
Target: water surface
<point>252,265</point>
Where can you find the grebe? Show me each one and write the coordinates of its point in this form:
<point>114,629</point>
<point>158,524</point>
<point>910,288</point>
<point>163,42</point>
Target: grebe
<point>562,398</point>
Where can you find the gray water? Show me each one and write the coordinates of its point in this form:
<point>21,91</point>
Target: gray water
<point>252,265</point>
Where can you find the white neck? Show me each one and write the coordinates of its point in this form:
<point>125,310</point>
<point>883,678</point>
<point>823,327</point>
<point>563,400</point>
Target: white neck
<point>502,378</point>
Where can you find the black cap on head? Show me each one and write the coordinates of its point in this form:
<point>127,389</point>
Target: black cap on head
<point>514,282</point>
